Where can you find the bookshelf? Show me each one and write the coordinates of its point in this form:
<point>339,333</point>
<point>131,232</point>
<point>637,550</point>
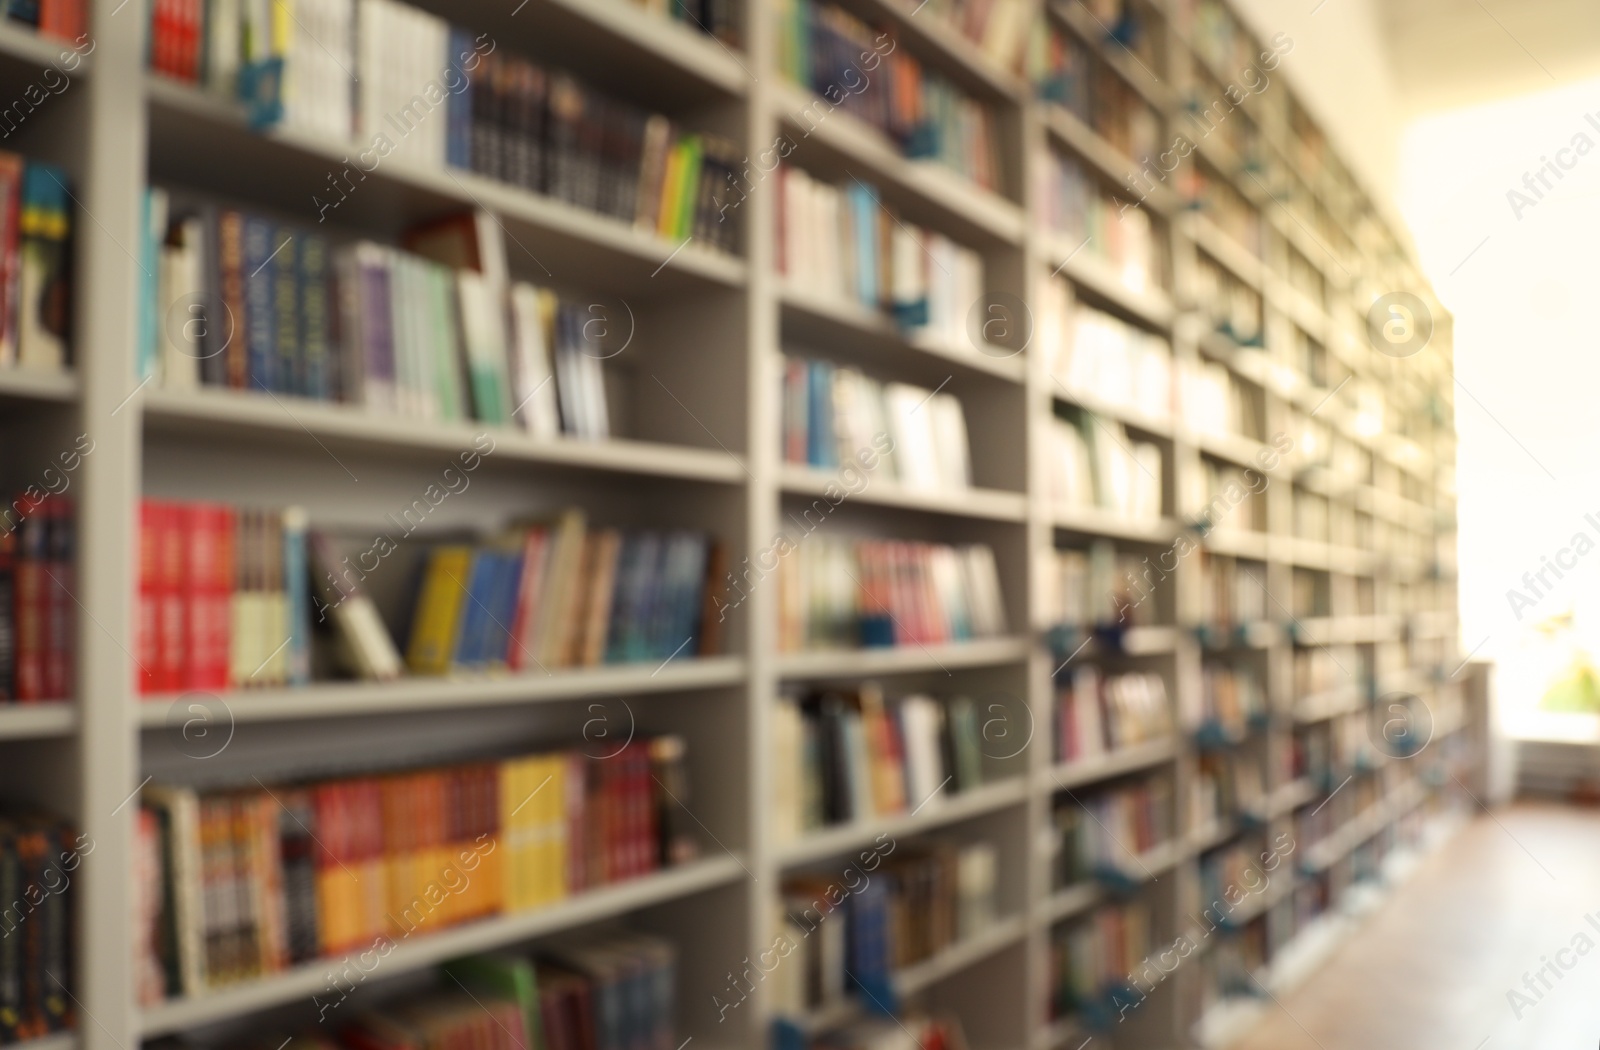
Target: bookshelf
<point>705,455</point>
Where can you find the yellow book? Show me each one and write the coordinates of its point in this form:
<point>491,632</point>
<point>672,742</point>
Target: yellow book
<point>671,187</point>
<point>552,829</point>
<point>438,612</point>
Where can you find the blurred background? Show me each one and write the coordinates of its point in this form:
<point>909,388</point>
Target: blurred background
<point>838,524</point>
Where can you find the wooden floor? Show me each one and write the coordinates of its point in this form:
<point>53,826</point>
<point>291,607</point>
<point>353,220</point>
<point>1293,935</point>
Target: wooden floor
<point>1431,970</point>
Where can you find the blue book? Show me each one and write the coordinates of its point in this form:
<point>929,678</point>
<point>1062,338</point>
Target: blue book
<point>864,218</point>
<point>822,450</point>
<point>867,946</point>
<point>624,597</point>
<point>474,613</point>
<point>316,319</point>
<point>458,106</point>
<point>497,635</point>
<point>260,353</point>
<point>691,588</point>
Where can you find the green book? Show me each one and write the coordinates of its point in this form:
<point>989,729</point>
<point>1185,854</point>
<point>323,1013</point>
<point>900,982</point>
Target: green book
<point>505,976</point>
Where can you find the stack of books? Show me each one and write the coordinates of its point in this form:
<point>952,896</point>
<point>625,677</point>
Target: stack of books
<point>38,613</point>
<point>832,414</point>
<point>231,598</point>
<point>39,859</point>
<point>843,756</point>
<point>63,19</point>
<point>35,279</point>
<point>1098,956</point>
<point>865,71</point>
<point>838,593</point>
<point>252,881</point>
<point>1236,217</point>
<point>1232,591</point>
<point>1106,834</point>
<point>920,900</point>
<point>563,595</point>
<point>1093,463</point>
<point>999,28</point>
<point>1085,215</point>
<point>842,243</point>
<point>398,82</point>
<point>1231,697</point>
<point>1228,785</point>
<point>1063,71</point>
<point>224,597</point>
<point>365,324</point>
<point>1098,713</point>
<point>1090,353</point>
<point>1232,307</point>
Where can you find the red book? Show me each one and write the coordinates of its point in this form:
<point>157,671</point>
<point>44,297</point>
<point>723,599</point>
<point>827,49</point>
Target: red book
<point>148,645</point>
<point>59,606</point>
<point>171,614</point>
<point>31,608</point>
<point>579,813</point>
<point>207,595</point>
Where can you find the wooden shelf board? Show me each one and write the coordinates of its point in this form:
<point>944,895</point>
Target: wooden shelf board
<point>837,663</point>
<point>429,950</point>
<point>936,812</point>
<point>249,413</point>
<point>350,699</point>
<point>36,721</point>
<point>990,504</point>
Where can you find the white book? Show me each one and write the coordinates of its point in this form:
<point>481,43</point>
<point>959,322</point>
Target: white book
<point>920,723</point>
<point>910,424</point>
<point>533,382</point>
<point>949,426</point>
<point>484,339</point>
<point>181,281</point>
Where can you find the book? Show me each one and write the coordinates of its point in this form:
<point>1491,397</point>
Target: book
<point>1098,713</point>
<point>843,756</point>
<point>256,879</point>
<point>841,593</point>
<point>829,238</point>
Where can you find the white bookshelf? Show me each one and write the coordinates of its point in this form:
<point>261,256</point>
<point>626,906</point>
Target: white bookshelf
<point>717,325</point>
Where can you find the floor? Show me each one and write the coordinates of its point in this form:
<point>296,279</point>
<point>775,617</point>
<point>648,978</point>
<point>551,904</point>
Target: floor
<point>1433,968</point>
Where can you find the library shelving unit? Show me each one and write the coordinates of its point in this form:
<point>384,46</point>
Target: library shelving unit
<point>1352,538</point>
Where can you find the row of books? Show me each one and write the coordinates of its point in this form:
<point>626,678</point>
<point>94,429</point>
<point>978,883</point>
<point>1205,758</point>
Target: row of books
<point>62,19</point>
<point>562,594</point>
<point>1080,587</point>
<point>1107,834</point>
<point>1091,354</point>
<point>1096,956</point>
<point>1228,786</point>
<point>1232,307</point>
<point>609,988</point>
<point>39,859</point>
<point>282,311</point>
<point>224,596</point>
<point>836,593</point>
<point>239,883</point>
<point>35,276</point>
<point>851,755</point>
<point>715,18</point>
<point>918,902</point>
<point>1320,668</point>
<point>998,28</point>
<point>1231,697</point>
<point>1099,713</point>
<point>405,83</point>
<point>1092,463</point>
<point>857,67</point>
<point>38,613</point>
<point>1063,71</point>
<point>1232,214</point>
<point>843,243</point>
<point>1225,496</point>
<point>1087,217</point>
<point>833,414</point>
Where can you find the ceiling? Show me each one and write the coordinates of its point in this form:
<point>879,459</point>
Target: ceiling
<point>1449,53</point>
